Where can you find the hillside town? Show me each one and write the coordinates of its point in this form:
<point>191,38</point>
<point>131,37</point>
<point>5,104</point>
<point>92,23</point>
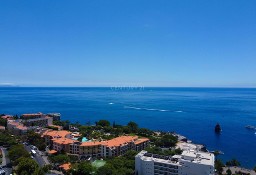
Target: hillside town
<point>59,147</point>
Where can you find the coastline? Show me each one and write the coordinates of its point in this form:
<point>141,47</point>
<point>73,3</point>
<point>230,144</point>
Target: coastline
<point>201,111</point>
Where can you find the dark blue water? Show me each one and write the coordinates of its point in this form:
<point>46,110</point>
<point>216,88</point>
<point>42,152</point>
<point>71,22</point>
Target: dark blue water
<point>192,112</point>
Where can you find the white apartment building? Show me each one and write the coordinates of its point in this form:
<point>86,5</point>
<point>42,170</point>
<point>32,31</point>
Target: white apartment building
<point>190,162</point>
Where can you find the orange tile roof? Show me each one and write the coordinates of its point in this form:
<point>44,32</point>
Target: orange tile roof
<point>32,115</point>
<point>21,127</point>
<point>141,140</point>
<point>52,151</point>
<point>56,134</point>
<point>65,166</point>
<point>7,117</point>
<point>91,143</point>
<point>64,141</point>
<point>120,140</point>
<point>17,125</point>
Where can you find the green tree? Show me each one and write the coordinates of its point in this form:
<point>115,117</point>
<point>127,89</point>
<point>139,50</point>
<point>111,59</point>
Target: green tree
<point>83,168</point>
<point>144,132</point>
<point>3,122</point>
<point>27,166</point>
<point>46,168</point>
<point>122,165</point>
<point>107,169</point>
<point>39,171</point>
<point>35,139</point>
<point>6,139</point>
<point>123,171</point>
<point>167,140</point>
<point>219,166</point>
<point>103,123</point>
<point>254,168</point>
<point>60,158</point>
<point>133,126</point>
<point>16,152</point>
<point>130,155</point>
<point>233,162</point>
<point>108,129</point>
<point>229,172</point>
<point>126,130</point>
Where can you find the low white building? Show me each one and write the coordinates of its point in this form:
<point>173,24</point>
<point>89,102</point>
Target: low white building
<point>190,162</point>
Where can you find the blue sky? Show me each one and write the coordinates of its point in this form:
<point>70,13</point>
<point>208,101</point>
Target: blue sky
<point>128,43</point>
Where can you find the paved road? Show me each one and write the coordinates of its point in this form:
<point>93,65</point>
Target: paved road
<point>37,157</point>
<point>5,161</point>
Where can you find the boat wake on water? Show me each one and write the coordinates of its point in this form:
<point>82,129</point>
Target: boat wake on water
<point>178,111</point>
<point>149,109</point>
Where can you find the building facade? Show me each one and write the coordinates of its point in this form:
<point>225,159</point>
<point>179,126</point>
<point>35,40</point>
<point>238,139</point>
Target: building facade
<point>16,127</point>
<point>64,141</point>
<point>55,116</point>
<point>190,162</point>
<point>42,121</point>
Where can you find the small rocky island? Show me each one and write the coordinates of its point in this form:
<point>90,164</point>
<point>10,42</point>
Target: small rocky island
<point>217,128</point>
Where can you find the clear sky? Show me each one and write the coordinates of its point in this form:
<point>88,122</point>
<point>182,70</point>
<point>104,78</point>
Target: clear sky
<point>128,43</point>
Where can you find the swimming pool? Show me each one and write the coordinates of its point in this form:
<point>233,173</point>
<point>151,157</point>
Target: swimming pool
<point>84,139</point>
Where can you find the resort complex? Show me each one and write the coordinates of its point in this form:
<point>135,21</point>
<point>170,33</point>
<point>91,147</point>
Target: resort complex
<point>67,141</point>
<point>63,140</point>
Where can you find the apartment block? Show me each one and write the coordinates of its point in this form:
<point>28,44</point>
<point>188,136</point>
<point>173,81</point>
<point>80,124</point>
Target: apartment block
<point>190,162</point>
<point>16,127</point>
<point>63,140</point>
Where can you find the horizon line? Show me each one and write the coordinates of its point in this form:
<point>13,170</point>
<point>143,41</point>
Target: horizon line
<point>130,87</point>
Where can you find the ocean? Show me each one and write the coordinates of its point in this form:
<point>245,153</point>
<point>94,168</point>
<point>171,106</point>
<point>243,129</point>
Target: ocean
<point>192,112</point>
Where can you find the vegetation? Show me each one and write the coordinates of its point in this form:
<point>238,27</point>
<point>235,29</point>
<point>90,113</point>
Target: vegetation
<point>59,159</point>
<point>229,172</point>
<point>104,131</point>
<point>16,152</point>
<point>83,168</point>
<point>46,168</point>
<point>133,127</point>
<point>23,162</point>
<point>219,166</point>
<point>166,152</point>
<point>233,162</point>
<point>124,165</point>
<point>3,122</point>
<point>64,123</point>
<point>103,123</point>
<point>167,140</point>
<point>28,166</point>
<point>6,139</point>
<point>254,168</point>
<point>35,139</point>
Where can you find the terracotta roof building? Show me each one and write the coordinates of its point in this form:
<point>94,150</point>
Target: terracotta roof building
<point>63,141</point>
<point>7,117</point>
<point>16,127</point>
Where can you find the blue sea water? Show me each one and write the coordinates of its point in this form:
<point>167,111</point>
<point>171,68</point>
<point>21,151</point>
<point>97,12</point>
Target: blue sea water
<point>192,112</point>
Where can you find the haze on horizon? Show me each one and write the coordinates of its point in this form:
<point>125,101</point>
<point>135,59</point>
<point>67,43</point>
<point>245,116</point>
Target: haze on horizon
<point>170,43</point>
